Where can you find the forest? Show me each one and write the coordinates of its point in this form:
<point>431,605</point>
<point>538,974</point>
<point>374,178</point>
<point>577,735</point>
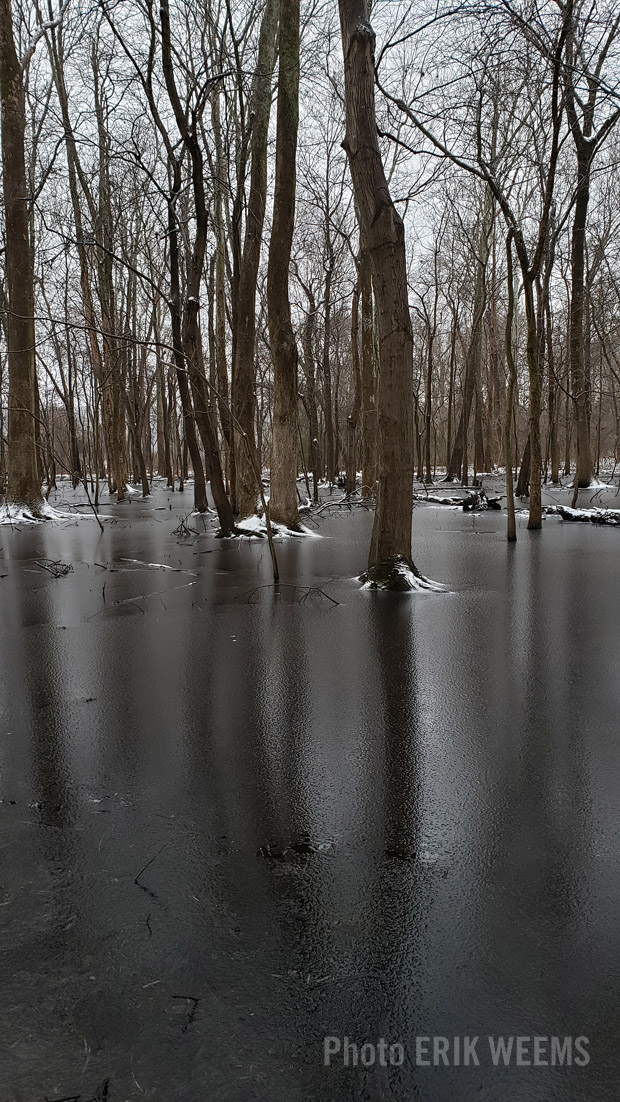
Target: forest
<point>225,254</point>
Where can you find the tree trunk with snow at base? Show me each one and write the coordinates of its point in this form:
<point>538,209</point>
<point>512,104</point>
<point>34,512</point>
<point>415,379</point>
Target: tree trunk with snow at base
<point>283,501</point>
<point>24,487</point>
<point>244,374</point>
<point>384,232</point>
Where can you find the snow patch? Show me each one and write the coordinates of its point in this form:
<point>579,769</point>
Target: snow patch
<point>256,526</point>
<point>595,516</point>
<point>402,579</point>
<point>22,514</point>
<point>595,484</point>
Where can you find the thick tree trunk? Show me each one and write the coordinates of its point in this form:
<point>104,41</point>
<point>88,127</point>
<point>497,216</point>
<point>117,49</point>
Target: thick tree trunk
<point>384,232</point>
<point>23,486</point>
<point>243,375</point>
<point>283,500</point>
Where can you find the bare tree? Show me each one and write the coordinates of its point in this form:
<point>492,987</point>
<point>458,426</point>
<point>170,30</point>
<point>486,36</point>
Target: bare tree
<point>383,228</point>
<point>24,485</point>
<point>283,501</point>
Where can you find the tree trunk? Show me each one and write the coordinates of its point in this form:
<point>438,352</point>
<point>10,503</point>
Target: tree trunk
<point>331,459</point>
<point>535,471</point>
<point>310,387</point>
<point>523,481</point>
<point>580,382</point>
<point>23,486</point>
<point>243,375</point>
<point>353,417</point>
<point>457,467</point>
<point>221,367</point>
<point>369,387</point>
<point>384,231</point>
<point>283,500</point>
<point>511,528</point>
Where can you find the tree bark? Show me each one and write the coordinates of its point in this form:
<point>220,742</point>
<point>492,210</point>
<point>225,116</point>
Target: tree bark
<point>511,528</point>
<point>385,234</point>
<point>369,382</point>
<point>243,375</point>
<point>283,500</point>
<point>356,405</point>
<point>23,486</point>
<point>580,383</point>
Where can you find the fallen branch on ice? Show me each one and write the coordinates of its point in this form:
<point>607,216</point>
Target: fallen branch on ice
<point>610,517</point>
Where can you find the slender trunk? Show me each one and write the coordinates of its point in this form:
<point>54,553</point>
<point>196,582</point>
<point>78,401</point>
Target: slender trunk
<point>580,382</point>
<point>331,458</point>
<point>310,387</point>
<point>353,417</point>
<point>453,335</point>
<point>554,451</point>
<point>511,528</point>
<point>243,375</point>
<point>457,464</point>
<point>221,367</point>
<point>427,405</point>
<point>535,517</point>
<point>369,381</point>
<point>283,501</point>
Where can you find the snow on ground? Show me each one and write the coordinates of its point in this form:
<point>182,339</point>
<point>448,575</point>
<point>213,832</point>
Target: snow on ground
<point>595,516</point>
<point>256,526</point>
<point>401,578</point>
<point>21,514</point>
<point>409,583</point>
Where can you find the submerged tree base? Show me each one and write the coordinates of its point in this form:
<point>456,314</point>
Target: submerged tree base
<point>398,574</point>
<point>256,525</point>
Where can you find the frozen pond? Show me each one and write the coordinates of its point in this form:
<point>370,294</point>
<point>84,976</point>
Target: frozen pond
<point>382,818</point>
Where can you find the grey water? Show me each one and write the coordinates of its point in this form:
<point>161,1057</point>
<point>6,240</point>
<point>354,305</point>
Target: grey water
<point>235,820</point>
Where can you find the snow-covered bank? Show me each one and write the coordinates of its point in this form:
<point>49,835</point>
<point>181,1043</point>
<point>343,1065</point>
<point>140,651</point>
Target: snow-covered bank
<point>23,514</point>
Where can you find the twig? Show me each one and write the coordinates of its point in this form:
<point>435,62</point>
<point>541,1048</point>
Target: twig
<point>309,590</point>
<point>55,567</point>
<point>191,1013</point>
<point>148,865</point>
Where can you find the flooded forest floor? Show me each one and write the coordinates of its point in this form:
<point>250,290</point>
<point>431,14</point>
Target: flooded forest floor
<point>235,819</point>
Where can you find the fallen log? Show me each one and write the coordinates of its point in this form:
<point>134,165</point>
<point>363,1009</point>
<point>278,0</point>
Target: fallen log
<point>609,517</point>
<point>477,500</point>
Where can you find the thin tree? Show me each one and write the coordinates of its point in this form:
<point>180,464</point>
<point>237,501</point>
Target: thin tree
<point>243,374</point>
<point>283,502</point>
